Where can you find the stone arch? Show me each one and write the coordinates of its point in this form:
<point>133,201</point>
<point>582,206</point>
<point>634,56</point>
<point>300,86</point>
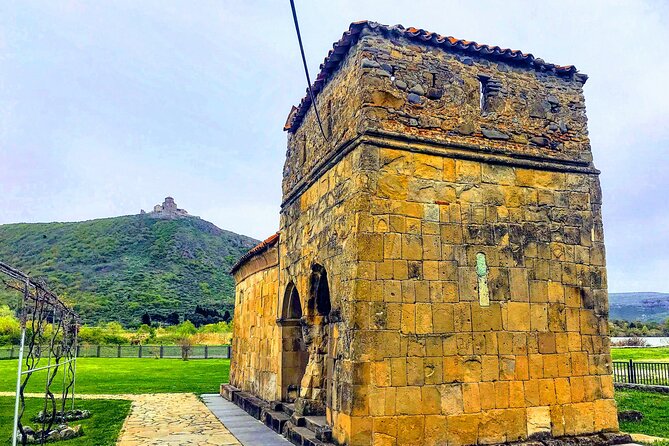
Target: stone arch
<point>294,354</point>
<point>314,388</point>
<point>292,307</point>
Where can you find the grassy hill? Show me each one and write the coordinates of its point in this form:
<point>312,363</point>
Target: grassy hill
<point>115,269</point>
<point>639,306</point>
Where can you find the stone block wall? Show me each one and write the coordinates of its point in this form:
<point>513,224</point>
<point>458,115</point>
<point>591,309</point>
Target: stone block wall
<point>340,106</point>
<point>470,102</point>
<point>320,227</point>
<point>434,359</point>
<point>256,341</point>
<point>454,204</point>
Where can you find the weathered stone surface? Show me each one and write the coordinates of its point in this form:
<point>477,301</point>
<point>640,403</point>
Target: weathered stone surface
<point>367,63</point>
<point>466,128</point>
<point>463,247</point>
<point>386,99</point>
<point>539,141</point>
<point>171,418</point>
<point>434,93</point>
<point>414,98</point>
<point>417,89</point>
<point>494,134</point>
<point>257,283</point>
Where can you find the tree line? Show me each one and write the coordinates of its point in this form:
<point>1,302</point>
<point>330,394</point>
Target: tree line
<point>638,328</point>
<point>201,316</point>
<point>212,329</point>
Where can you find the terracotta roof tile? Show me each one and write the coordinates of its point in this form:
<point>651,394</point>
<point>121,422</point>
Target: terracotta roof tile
<point>350,37</point>
<point>257,249</point>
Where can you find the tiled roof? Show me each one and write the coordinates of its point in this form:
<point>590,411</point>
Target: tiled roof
<point>257,249</point>
<point>350,37</point>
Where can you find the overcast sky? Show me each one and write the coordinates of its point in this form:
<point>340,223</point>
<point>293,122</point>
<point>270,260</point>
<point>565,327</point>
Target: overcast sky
<point>106,107</point>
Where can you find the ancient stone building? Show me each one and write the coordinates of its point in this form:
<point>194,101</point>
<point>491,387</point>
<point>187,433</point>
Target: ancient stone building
<point>439,274</point>
<point>168,210</point>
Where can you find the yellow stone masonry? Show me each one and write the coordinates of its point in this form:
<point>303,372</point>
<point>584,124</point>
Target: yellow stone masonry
<point>256,341</point>
<point>440,274</point>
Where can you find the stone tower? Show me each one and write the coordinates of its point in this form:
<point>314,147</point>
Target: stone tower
<point>440,265</point>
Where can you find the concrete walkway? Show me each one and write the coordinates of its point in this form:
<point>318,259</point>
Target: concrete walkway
<point>248,430</point>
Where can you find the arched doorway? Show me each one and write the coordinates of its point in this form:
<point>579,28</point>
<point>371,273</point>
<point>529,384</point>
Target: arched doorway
<point>316,332</point>
<point>294,356</point>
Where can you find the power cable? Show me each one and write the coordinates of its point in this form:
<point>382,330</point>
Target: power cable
<point>306,70</point>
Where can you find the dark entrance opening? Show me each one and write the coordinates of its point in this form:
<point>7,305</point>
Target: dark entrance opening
<point>320,291</point>
<point>294,355</point>
<point>316,332</point>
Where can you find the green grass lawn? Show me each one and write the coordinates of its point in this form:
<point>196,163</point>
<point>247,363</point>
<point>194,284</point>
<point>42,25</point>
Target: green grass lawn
<point>132,375</point>
<point>655,354</point>
<point>101,429</point>
<point>654,406</point>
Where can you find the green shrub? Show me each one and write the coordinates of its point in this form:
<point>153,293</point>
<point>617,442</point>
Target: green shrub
<point>6,311</point>
<point>185,329</point>
<point>102,335</point>
<point>219,327</point>
<point>10,329</point>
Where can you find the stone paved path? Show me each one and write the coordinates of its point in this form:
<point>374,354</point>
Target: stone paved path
<point>172,419</point>
<point>168,419</point>
<point>646,439</point>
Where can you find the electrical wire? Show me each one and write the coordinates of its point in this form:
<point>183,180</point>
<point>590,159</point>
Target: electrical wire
<point>306,70</point>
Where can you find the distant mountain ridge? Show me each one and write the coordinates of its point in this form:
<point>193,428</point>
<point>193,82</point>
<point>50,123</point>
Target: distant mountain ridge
<point>115,269</point>
<point>640,306</point>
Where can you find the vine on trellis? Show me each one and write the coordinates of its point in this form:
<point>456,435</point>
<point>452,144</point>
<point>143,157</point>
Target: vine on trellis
<point>48,342</point>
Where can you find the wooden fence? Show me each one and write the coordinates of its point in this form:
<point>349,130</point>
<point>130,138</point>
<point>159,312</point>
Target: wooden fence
<point>650,373</point>
<point>137,351</point>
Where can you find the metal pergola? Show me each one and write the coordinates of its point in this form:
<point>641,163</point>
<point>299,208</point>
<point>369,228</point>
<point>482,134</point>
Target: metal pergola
<point>49,330</point>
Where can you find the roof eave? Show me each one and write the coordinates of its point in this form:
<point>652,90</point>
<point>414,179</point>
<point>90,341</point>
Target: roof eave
<point>349,38</point>
<point>260,248</point>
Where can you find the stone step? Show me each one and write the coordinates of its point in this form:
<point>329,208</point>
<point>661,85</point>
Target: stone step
<point>281,417</point>
<point>244,427</point>
<point>314,422</point>
<point>227,391</point>
<point>289,408</point>
<point>301,436</point>
<point>319,426</point>
<point>252,405</point>
<point>275,420</point>
<point>298,420</point>
<point>276,406</point>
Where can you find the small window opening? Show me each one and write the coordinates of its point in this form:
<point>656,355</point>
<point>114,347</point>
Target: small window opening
<point>484,91</point>
<point>482,274</point>
<point>319,302</point>
<point>292,307</point>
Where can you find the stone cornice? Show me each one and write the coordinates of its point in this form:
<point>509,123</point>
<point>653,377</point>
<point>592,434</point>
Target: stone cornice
<point>410,143</point>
